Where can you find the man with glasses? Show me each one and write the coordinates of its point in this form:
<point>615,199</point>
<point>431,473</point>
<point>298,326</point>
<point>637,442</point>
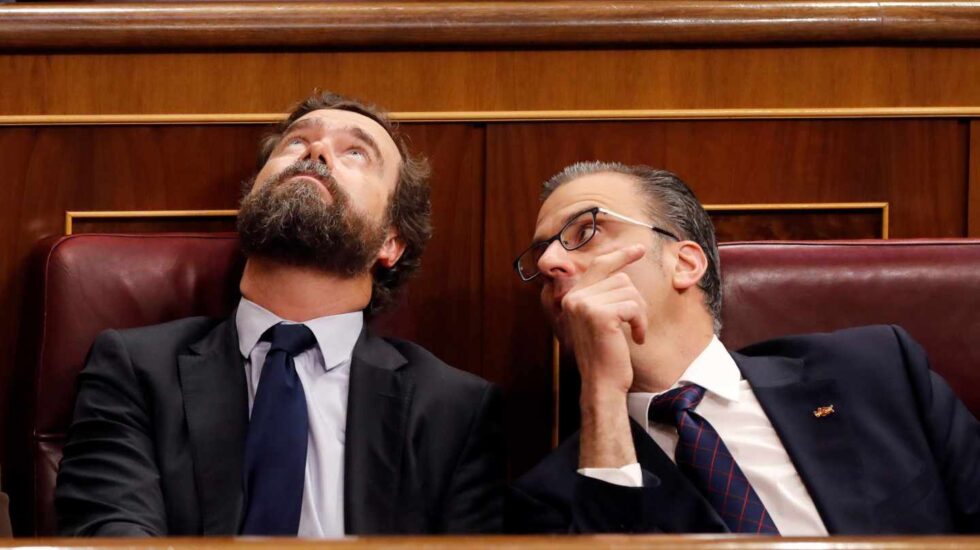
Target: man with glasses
<point>840,433</point>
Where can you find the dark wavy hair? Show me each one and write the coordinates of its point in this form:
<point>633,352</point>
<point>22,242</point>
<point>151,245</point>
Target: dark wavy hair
<point>409,209</point>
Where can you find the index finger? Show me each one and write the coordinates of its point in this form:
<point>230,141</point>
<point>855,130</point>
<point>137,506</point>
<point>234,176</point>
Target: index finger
<point>607,264</point>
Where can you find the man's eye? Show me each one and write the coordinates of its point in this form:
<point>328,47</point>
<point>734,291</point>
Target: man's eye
<point>357,153</point>
<point>296,141</point>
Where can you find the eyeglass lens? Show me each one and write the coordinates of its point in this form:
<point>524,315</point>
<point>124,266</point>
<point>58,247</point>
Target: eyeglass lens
<point>576,233</point>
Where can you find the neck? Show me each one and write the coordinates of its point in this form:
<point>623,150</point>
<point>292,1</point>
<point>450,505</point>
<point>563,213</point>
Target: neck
<point>299,294</point>
<point>661,360</point>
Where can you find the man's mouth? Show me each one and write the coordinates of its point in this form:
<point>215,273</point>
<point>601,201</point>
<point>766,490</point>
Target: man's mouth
<point>315,179</point>
<point>308,175</point>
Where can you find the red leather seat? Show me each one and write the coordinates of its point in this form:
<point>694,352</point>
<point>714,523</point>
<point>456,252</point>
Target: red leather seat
<point>89,283</point>
<point>929,287</point>
<point>92,282</point>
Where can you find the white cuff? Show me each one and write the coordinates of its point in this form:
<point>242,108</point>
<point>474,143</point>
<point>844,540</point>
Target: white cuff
<point>627,476</point>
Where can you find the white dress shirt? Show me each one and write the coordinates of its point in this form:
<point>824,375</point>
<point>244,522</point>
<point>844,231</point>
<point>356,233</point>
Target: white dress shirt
<point>731,407</point>
<point>324,372</point>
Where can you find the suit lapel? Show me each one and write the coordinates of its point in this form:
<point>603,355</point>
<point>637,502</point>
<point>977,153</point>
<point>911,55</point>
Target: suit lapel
<point>377,412</point>
<point>212,381</point>
<point>675,502</point>
<point>823,448</point>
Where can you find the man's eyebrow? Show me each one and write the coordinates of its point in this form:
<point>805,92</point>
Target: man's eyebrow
<point>301,125</point>
<point>360,134</point>
<point>565,221</point>
<point>355,131</point>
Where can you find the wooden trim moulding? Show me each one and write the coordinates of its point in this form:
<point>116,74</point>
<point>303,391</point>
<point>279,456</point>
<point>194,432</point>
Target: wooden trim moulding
<point>557,24</point>
<point>973,185</point>
<point>72,215</point>
<point>820,206</point>
<point>510,116</point>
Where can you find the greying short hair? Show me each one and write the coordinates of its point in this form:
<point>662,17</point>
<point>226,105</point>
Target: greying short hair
<point>670,203</point>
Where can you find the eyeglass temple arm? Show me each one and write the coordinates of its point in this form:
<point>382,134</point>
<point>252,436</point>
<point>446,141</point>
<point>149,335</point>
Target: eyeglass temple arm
<point>637,222</point>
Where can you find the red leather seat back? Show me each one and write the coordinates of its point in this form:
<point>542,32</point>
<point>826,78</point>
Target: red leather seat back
<point>929,287</point>
<point>90,283</point>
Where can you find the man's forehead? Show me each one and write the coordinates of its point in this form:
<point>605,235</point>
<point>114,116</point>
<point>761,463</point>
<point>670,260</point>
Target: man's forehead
<point>339,118</point>
<point>615,191</point>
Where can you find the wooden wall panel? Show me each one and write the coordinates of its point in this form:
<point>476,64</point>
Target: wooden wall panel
<point>918,166</point>
<point>798,225</point>
<point>442,308</point>
<point>517,339</point>
<point>448,81</point>
<point>973,192</point>
<point>155,225</point>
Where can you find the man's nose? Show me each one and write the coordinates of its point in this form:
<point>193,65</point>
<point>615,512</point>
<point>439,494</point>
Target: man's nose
<point>555,261</point>
<point>319,152</point>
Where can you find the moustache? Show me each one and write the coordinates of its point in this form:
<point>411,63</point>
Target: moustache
<point>316,170</point>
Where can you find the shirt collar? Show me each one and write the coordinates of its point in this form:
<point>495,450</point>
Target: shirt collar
<point>713,369</point>
<point>335,334</point>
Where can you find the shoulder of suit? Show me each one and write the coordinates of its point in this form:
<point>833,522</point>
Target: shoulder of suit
<point>851,348</point>
<point>427,368</point>
<point>173,336</point>
<point>845,339</point>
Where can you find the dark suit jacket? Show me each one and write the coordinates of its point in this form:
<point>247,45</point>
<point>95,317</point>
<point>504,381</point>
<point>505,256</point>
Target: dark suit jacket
<point>157,442</point>
<point>901,454</point>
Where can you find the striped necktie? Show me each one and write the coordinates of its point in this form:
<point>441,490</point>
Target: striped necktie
<point>707,462</point>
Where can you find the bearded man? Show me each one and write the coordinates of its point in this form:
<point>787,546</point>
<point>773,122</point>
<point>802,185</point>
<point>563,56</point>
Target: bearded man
<point>291,417</point>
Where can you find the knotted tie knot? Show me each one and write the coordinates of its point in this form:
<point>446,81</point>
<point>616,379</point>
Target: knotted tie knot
<point>290,338</point>
<point>667,407</point>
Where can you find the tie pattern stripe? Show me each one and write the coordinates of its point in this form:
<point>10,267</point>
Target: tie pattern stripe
<point>277,437</point>
<point>703,457</point>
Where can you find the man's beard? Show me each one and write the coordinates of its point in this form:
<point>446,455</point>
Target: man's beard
<point>289,222</point>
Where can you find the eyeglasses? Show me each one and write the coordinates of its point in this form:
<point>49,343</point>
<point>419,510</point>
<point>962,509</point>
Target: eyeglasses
<point>575,234</point>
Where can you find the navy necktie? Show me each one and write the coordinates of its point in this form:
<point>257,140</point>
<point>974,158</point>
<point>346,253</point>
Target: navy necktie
<point>278,431</point>
<point>706,461</point>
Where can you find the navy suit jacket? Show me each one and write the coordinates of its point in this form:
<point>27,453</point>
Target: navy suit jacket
<point>900,454</point>
<point>157,443</point>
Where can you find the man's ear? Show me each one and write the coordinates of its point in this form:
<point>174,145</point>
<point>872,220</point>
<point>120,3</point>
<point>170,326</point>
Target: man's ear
<point>690,266</point>
<point>392,249</point>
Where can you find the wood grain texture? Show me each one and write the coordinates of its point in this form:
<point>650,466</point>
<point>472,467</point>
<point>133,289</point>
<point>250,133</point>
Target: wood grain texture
<point>973,191</point>
<point>919,167</point>
<point>157,225</point>
<point>517,338</point>
<point>797,225</point>
<point>337,25</point>
<point>441,308</point>
<point>446,81</point>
